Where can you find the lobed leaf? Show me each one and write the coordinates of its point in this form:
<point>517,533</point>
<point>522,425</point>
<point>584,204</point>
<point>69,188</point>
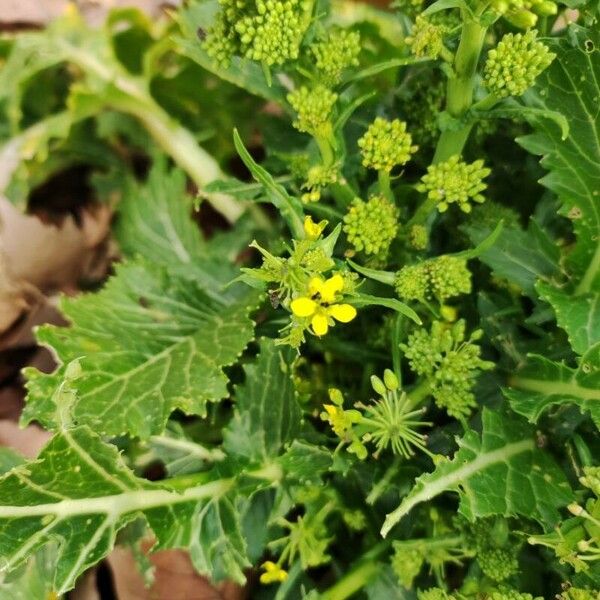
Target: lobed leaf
<point>571,86</point>
<point>500,472</point>
<point>544,383</point>
<point>150,342</point>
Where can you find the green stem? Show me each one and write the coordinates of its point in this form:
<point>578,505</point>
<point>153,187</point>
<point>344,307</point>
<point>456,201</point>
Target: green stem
<point>385,187</point>
<point>357,577</point>
<point>132,97</point>
<point>180,144</point>
<point>460,87</point>
<point>417,395</point>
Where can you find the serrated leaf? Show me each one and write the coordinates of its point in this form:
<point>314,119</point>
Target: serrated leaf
<point>305,462</point>
<point>80,493</point>
<point>267,415</point>
<point>150,342</point>
<point>522,257</point>
<point>544,383</point>
<point>578,315</point>
<point>571,85</point>
<point>155,222</point>
<point>500,472</point>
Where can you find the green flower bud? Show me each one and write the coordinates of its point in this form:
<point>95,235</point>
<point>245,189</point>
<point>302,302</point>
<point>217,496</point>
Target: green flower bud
<point>455,182</point>
<point>336,396</point>
<point>418,237</point>
<point>339,51</point>
<point>591,479</point>
<point>512,67</point>
<point>371,226</point>
<point>448,276</point>
<point>443,277</point>
<point>449,362</point>
<point>390,380</point>
<point>426,39</point>
<point>318,177</point>
<point>411,8</point>
<point>378,386</point>
<point>523,19</point>
<point>407,563</point>
<point>386,144</point>
<point>574,593</point>
<point>314,108</point>
<point>411,283</point>
<point>498,563</point>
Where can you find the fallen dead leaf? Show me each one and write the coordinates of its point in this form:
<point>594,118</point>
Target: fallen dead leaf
<point>174,579</point>
<point>55,257</point>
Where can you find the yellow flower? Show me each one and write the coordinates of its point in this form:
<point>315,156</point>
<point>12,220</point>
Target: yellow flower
<point>320,304</point>
<point>273,573</point>
<point>340,420</point>
<point>313,230</point>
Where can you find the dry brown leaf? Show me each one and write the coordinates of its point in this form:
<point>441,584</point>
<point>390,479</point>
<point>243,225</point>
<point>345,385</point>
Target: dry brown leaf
<point>28,441</point>
<point>55,257</point>
<point>174,579</point>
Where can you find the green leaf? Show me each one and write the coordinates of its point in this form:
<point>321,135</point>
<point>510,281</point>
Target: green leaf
<point>244,73</point>
<point>544,383</point>
<point>150,342</point>
<point>500,472</point>
<point>289,207</point>
<point>522,257</point>
<point>392,63</point>
<point>33,580</point>
<point>578,315</point>
<point>80,493</point>
<point>9,458</point>
<point>267,415</point>
<point>511,109</point>
<point>305,462</point>
<point>368,300</point>
<point>155,222</point>
<point>571,85</point>
<point>387,277</point>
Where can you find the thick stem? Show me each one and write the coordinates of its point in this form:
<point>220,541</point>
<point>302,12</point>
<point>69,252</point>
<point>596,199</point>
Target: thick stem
<point>357,577</point>
<point>385,187</point>
<point>180,144</point>
<point>460,87</point>
<point>417,395</point>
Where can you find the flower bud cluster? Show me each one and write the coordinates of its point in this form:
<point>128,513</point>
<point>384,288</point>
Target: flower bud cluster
<point>267,31</point>
<point>386,144</point>
<point>426,39</point>
<point>455,182</point>
<point>371,226</point>
<point>513,65</point>
<point>449,362</point>
<point>338,52</point>
<point>442,277</point>
<point>313,107</point>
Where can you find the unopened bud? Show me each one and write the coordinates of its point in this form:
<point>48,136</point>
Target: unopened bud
<point>378,386</point>
<point>390,379</point>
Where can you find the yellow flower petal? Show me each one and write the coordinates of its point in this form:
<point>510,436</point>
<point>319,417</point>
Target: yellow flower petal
<point>303,307</point>
<point>319,324</point>
<point>331,287</point>
<point>342,312</point>
<point>313,230</point>
<point>315,285</point>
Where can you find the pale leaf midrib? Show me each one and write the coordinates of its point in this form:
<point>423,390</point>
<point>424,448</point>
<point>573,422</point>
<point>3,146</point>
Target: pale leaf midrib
<point>431,490</point>
<point>116,505</point>
<point>553,388</point>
